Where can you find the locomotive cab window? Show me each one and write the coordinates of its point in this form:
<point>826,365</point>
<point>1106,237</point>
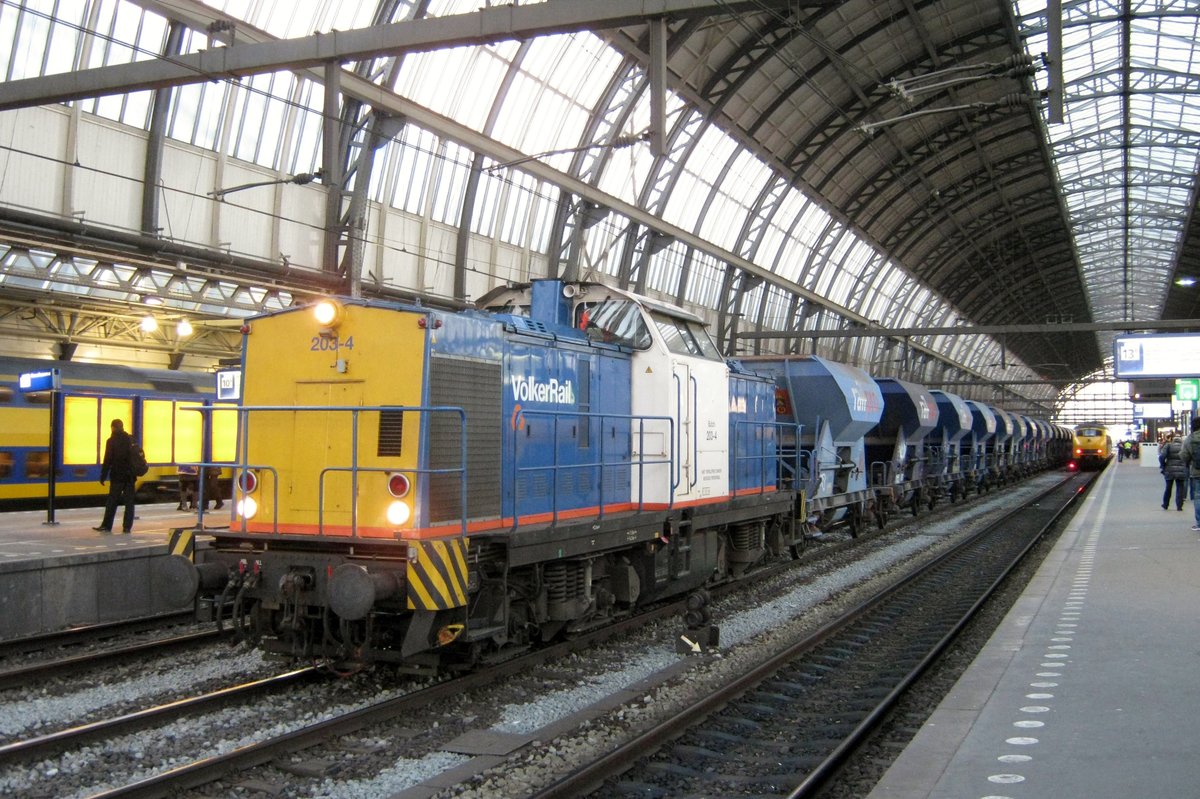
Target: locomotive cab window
<point>685,337</point>
<point>614,322</point>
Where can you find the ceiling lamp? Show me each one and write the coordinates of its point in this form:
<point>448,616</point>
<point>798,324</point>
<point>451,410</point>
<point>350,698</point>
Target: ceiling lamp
<point>149,324</point>
<point>184,328</point>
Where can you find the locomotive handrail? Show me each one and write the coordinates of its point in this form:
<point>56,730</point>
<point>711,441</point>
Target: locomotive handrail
<point>776,462</point>
<point>640,463</point>
<point>354,469</point>
<point>694,422</point>
<point>677,476</point>
<point>201,499</point>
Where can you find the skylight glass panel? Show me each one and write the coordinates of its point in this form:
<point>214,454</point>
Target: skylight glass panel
<point>697,177</point>
<point>289,19</point>
<point>475,72</point>
<point>1130,116</point>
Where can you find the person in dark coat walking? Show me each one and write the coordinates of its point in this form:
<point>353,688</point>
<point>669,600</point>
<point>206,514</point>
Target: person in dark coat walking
<point>1174,470</point>
<point>1191,456</point>
<point>117,468</point>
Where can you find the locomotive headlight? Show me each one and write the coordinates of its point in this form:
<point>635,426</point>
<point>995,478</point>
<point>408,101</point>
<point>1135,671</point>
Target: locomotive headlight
<point>247,508</point>
<point>398,513</point>
<point>327,313</point>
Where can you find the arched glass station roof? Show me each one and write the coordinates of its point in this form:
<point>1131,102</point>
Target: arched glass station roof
<point>885,173</point>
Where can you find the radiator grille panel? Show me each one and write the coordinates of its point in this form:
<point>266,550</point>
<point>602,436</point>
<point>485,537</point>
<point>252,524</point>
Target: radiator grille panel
<point>475,387</point>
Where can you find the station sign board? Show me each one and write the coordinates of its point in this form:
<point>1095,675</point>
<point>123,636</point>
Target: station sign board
<point>45,380</point>
<point>1152,410</point>
<point>1187,389</point>
<point>1141,355</point>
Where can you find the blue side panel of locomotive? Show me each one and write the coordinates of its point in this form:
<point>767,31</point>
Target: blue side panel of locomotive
<point>752,432</point>
<point>563,405</point>
<point>567,430</point>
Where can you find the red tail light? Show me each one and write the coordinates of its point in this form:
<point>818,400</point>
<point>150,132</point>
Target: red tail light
<point>398,484</point>
<point>247,482</point>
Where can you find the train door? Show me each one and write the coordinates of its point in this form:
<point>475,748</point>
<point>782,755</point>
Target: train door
<point>322,439</point>
<point>683,411</point>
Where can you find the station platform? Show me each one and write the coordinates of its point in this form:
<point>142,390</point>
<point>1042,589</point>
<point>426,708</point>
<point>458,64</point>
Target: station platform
<point>62,575</point>
<point>1090,687</point>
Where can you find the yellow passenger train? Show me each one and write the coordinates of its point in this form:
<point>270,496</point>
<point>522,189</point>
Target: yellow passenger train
<point>1093,446</point>
<point>154,404</point>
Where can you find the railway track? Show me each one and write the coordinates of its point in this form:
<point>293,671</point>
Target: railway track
<point>90,634</point>
<point>204,771</point>
<point>784,728</point>
<point>36,673</point>
<point>44,746</point>
<point>417,708</point>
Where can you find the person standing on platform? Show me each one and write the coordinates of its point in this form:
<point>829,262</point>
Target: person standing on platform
<point>1174,471</point>
<point>1191,456</point>
<point>188,478</point>
<point>117,468</point>
<point>212,488</point>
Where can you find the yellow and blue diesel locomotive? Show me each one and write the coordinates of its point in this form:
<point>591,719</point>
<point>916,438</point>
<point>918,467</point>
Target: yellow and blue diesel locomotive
<point>1093,446</point>
<point>435,487</point>
<point>416,483</point>
<point>153,404</point>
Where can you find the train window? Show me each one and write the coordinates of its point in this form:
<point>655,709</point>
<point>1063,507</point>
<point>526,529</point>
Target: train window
<point>391,433</point>
<point>686,338</point>
<point>676,335</point>
<point>38,397</point>
<point>37,465</point>
<point>707,346</point>
<point>6,394</point>
<point>6,464</point>
<point>616,322</point>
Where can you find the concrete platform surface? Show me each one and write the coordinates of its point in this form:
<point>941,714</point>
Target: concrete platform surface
<point>53,577</point>
<point>1090,687</point>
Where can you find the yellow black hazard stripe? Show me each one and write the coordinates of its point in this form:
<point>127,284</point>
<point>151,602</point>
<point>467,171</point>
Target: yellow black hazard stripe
<point>437,574</point>
<point>182,542</point>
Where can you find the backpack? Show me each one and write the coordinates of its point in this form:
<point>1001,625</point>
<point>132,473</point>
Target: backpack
<point>137,459</point>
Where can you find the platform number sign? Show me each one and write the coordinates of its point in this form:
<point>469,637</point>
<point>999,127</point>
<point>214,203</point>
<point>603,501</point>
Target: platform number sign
<point>1187,390</point>
<point>229,385</point>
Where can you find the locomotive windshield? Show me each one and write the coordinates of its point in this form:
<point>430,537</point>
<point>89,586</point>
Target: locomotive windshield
<point>614,322</point>
<point>685,337</point>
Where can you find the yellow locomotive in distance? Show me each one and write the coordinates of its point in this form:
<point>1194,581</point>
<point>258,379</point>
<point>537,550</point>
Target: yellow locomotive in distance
<point>1093,446</point>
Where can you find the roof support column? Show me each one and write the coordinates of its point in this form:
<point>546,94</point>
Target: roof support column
<point>657,33</point>
<point>157,133</point>
<point>331,170</point>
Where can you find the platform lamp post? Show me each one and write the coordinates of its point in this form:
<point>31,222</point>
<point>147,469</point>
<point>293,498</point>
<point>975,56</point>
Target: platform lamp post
<point>51,380</point>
